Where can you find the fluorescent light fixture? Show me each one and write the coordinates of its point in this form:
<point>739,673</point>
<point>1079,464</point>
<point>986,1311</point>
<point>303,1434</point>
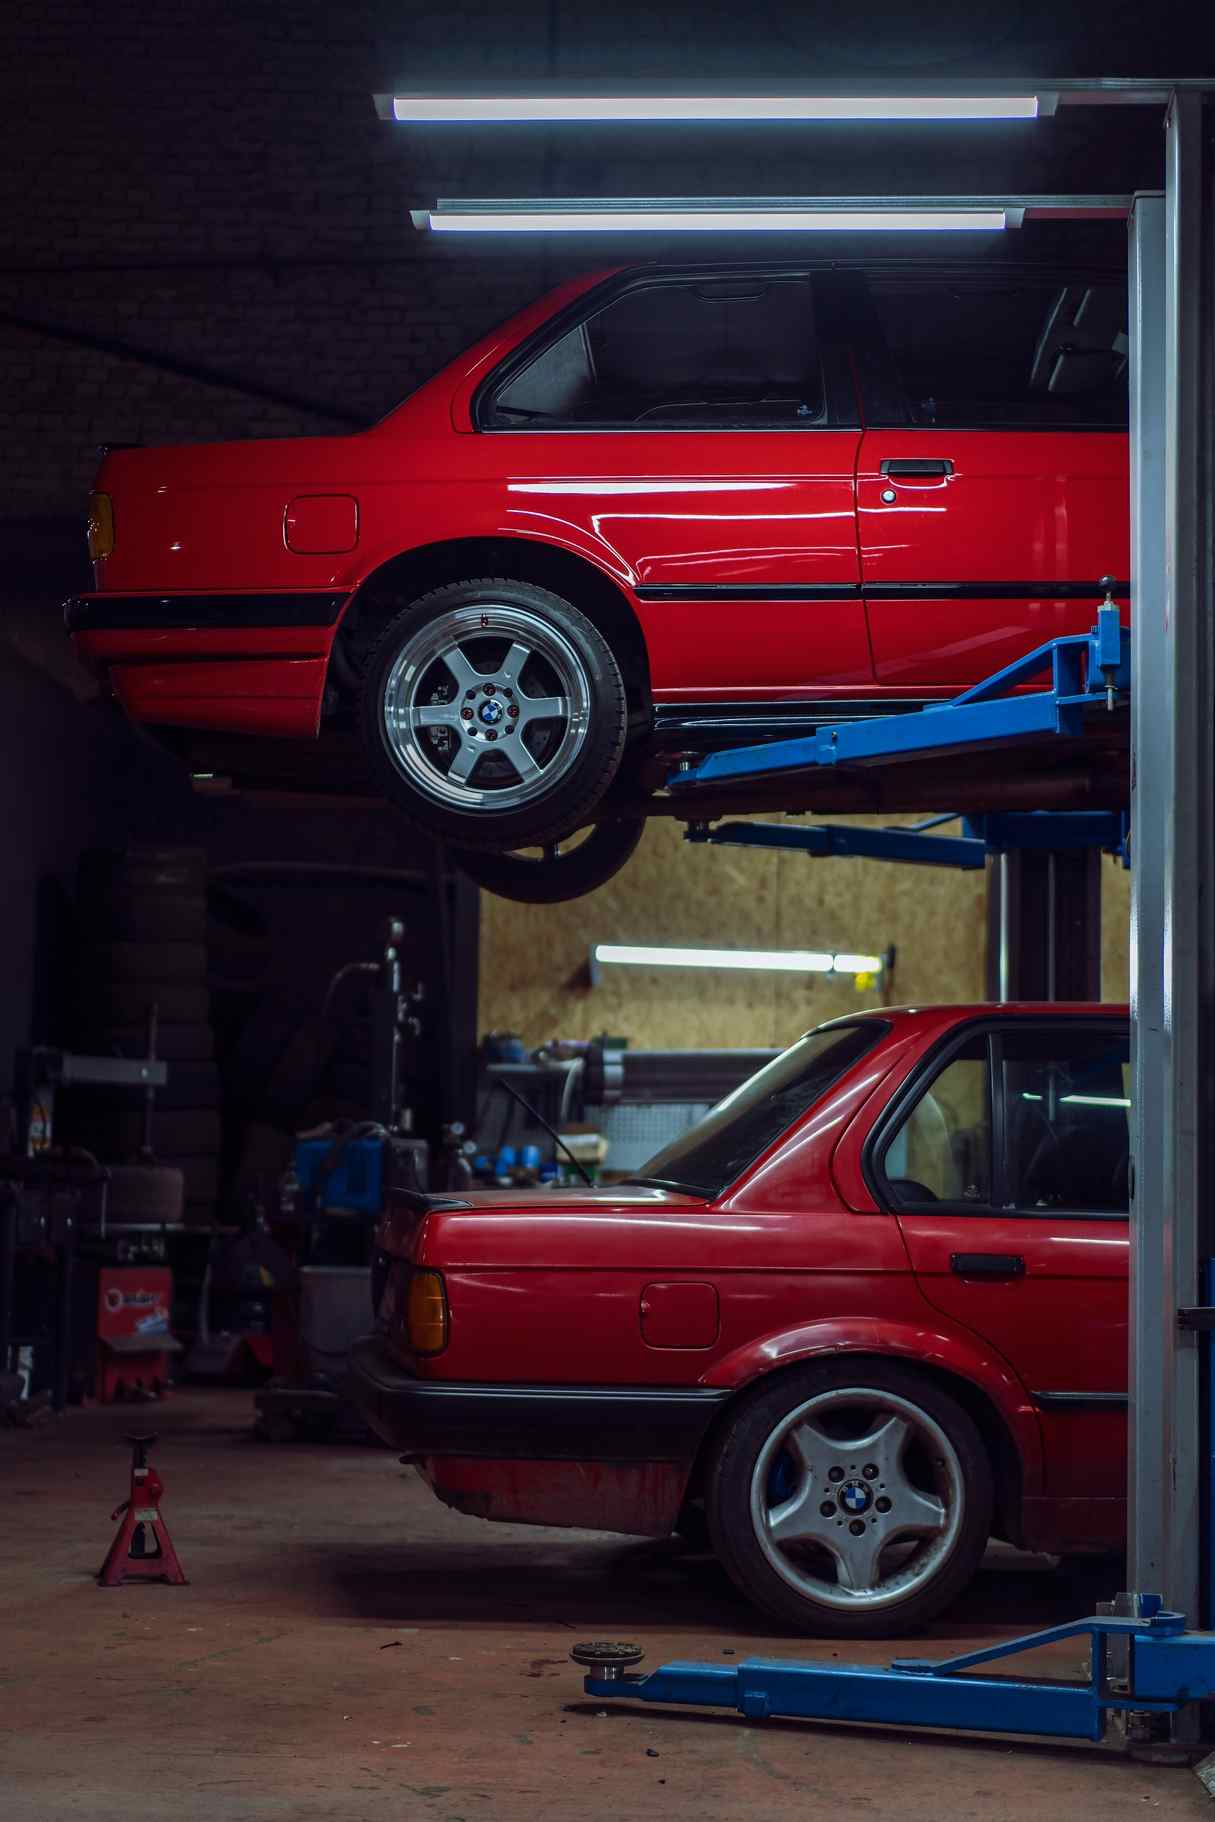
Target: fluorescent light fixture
<point>783,961</point>
<point>690,219</point>
<point>465,109</point>
<point>1095,1100</point>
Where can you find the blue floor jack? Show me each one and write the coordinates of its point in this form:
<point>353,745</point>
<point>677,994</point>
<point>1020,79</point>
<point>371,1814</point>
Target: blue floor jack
<point>1143,1664</point>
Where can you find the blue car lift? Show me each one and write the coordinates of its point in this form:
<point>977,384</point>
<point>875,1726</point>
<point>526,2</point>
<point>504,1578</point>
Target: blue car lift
<point>1088,671</point>
<point>1168,1668</point>
<point>1143,1663</point>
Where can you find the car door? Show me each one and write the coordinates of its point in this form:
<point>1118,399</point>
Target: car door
<point>992,482</point>
<point>702,431</point>
<point>1006,1163</point>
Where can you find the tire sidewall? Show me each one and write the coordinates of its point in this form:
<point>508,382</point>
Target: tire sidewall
<point>728,1499</point>
<point>553,813</point>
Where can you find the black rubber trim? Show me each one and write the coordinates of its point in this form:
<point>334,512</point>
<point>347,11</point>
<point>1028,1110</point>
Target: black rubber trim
<point>526,1422</point>
<point>1075,1401</point>
<point>117,613</point>
<point>1040,590</point>
<point>755,720</point>
<point>748,591</point>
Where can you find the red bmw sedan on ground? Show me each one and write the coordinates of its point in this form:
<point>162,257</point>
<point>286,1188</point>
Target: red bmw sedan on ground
<point>661,509</point>
<point>869,1313</point>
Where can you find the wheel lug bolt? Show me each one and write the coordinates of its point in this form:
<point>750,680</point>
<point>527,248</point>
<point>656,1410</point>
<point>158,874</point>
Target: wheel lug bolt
<point>827,1509</point>
<point>513,710</point>
<point>857,1527</point>
<point>883,1505</point>
<point>835,1474</point>
<point>869,1471</point>
<point>467,714</point>
<point>491,735</point>
<point>489,689</point>
<point>469,694</point>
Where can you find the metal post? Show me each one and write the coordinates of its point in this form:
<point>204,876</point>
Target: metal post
<point>1044,924</point>
<point>1173,853</point>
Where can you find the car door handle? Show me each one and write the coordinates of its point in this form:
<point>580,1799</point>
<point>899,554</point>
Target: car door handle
<point>987,1265</point>
<point>917,468</point>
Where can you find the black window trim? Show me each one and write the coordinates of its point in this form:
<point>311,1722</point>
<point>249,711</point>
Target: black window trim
<point>921,1077</point>
<point>591,302</point>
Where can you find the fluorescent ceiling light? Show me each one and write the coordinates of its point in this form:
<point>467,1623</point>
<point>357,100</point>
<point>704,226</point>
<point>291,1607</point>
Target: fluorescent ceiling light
<point>454,220</point>
<point>431,109</point>
<point>784,961</point>
<point>1095,1100</point>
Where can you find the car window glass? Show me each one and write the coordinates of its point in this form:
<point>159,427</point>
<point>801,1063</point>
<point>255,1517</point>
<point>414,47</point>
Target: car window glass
<point>713,1154</point>
<point>1005,351</point>
<point>738,354</point>
<point>1066,1098</point>
<point>941,1148</point>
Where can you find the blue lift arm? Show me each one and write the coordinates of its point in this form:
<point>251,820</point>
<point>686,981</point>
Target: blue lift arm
<point>912,844</point>
<point>1084,668</point>
<point>1169,1668</point>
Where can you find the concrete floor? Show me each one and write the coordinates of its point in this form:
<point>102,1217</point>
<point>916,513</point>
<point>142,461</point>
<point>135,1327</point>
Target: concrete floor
<point>347,1648</point>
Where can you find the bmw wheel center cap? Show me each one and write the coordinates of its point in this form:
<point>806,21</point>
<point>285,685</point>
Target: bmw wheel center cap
<point>855,1497</point>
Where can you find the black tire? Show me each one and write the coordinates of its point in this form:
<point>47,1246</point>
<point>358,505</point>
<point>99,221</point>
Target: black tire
<point>145,1192</point>
<point>174,1043</point>
<point>168,962</point>
<point>127,1003</point>
<point>133,917</point>
<point>758,1420</point>
<point>192,1133</point>
<point>143,870</point>
<point>549,811</point>
<point>552,877</point>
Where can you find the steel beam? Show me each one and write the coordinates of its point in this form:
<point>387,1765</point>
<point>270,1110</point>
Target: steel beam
<point>1173,851</point>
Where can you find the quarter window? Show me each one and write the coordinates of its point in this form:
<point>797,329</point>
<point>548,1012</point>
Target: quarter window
<point>1001,352</point>
<point>941,1150</point>
<point>715,354</point>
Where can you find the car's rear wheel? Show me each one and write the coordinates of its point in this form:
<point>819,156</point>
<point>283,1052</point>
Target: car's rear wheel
<point>559,871</point>
<point>851,1500</point>
<point>494,713</point>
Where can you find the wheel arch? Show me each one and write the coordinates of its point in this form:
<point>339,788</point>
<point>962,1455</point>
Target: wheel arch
<point>1013,1448</point>
<point>416,572</point>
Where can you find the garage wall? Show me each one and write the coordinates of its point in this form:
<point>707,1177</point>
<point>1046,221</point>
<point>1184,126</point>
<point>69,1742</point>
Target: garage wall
<point>533,959</point>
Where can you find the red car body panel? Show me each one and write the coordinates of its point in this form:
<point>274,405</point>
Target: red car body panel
<point>202,532</point>
<point>633,1288</point>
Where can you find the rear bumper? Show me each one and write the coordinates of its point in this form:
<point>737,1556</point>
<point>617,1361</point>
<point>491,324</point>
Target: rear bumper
<point>527,1422</point>
<point>247,664</point>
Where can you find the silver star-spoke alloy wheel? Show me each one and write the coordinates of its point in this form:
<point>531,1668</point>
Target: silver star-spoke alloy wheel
<point>486,707</point>
<point>844,1477</point>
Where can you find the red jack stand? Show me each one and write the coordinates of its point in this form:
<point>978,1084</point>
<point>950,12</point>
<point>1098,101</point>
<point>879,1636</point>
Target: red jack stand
<point>130,1559</point>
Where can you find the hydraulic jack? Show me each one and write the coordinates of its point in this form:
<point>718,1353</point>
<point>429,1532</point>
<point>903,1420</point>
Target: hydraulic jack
<point>1145,1665</point>
<point>143,1550</point>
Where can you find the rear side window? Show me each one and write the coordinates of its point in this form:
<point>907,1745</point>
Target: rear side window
<point>1002,352</point>
<point>1067,1104</point>
<point>716,354</point>
<point>1023,1120</point>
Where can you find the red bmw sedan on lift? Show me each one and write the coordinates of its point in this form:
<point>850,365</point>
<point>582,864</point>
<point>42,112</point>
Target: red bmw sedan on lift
<point>870,1312</point>
<point>662,509</point>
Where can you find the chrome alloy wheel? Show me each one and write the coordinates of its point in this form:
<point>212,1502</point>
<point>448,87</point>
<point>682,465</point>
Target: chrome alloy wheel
<point>486,707</point>
<point>841,1479</point>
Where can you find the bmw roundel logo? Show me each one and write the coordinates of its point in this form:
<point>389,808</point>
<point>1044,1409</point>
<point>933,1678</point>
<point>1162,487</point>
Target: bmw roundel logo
<point>490,712</point>
<point>855,1497</point>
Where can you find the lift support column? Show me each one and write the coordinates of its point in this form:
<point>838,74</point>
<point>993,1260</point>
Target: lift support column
<point>1173,858</point>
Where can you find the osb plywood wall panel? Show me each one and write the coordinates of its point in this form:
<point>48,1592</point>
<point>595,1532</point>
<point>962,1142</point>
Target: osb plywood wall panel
<point>533,958</point>
<point>1115,930</point>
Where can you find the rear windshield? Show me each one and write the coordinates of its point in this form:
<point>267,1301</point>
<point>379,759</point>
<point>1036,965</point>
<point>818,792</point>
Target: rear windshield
<point>711,1156</point>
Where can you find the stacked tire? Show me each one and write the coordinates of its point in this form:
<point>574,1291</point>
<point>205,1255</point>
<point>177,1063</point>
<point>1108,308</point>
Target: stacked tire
<point>142,943</point>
